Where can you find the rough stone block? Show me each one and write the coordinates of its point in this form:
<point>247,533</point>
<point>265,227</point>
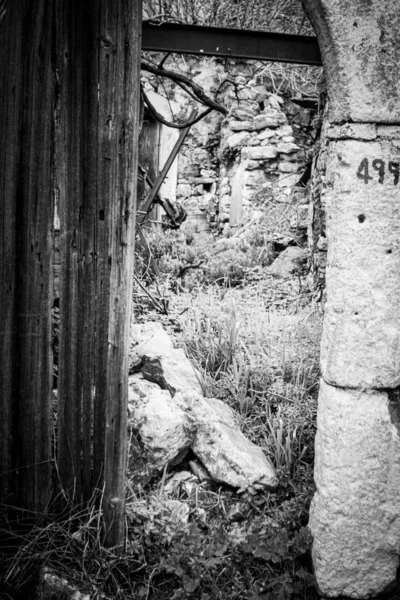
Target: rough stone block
<point>254,178</point>
<point>222,448</point>
<point>360,50</point>
<point>241,125</point>
<point>259,153</point>
<point>259,93</point>
<point>259,122</point>
<point>151,337</point>
<point>288,179</point>
<point>161,431</point>
<point>243,114</point>
<point>268,141</point>
<point>361,338</point>
<point>355,513</point>
<point>184,190</point>
<point>172,371</point>
<point>288,167</point>
<point>250,165</point>
<point>238,139</point>
<point>288,139</point>
<point>266,134</point>
<point>287,147</point>
<point>284,130</point>
<point>390,132</point>
<point>290,261</point>
<point>263,121</point>
<point>355,131</point>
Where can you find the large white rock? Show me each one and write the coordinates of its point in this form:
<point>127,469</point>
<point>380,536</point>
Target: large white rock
<point>161,433</point>
<point>171,371</point>
<point>226,453</point>
<point>152,338</point>
<point>355,513</point>
<point>361,338</point>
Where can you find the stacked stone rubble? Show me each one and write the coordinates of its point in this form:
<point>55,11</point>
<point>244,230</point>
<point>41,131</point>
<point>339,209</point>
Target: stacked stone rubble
<point>229,166</point>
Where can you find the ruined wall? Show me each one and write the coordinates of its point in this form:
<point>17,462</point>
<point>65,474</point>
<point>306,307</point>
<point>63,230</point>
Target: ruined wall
<point>230,168</point>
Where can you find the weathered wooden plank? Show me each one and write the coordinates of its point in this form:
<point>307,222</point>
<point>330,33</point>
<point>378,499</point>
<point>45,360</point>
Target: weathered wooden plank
<point>127,23</point>
<point>26,251</point>
<point>149,145</point>
<point>69,186</point>
<point>96,164</point>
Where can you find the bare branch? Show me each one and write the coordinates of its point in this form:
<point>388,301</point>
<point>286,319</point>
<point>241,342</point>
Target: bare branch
<point>164,58</point>
<point>179,78</point>
<point>160,118</point>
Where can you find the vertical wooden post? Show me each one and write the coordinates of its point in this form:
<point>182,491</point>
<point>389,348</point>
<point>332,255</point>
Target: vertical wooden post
<point>26,218</point>
<point>98,57</point>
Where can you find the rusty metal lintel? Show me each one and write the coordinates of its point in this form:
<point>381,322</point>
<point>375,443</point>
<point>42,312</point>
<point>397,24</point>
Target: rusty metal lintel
<point>235,43</point>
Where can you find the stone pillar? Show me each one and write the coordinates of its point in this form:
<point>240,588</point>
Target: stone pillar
<point>355,513</point>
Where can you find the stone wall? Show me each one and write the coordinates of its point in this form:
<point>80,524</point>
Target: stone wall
<point>229,168</point>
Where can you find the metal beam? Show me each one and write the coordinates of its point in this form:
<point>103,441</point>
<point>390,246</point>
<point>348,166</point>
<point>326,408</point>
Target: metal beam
<point>234,43</point>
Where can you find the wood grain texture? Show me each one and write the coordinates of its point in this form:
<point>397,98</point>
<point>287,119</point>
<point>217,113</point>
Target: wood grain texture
<point>26,162</point>
<point>96,164</point>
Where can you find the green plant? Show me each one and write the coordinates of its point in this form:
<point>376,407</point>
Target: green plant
<point>282,555</point>
<point>212,343</point>
<point>286,444</point>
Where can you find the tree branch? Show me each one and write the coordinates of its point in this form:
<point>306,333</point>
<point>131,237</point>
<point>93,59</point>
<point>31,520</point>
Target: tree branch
<point>160,118</point>
<point>179,78</point>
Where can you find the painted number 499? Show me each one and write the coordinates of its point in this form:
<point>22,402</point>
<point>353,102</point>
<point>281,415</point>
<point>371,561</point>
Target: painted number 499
<point>378,169</point>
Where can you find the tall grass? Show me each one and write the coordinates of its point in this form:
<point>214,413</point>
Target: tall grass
<point>265,363</point>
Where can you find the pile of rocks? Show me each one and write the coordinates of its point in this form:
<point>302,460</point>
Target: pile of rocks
<point>170,416</point>
<point>262,146</point>
<point>259,153</point>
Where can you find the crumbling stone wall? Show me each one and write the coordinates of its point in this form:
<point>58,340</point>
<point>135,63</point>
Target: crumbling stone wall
<point>230,167</point>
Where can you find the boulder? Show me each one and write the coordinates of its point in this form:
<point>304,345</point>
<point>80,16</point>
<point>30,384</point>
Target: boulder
<point>222,448</point>
<point>161,432</point>
<point>152,339</point>
<point>169,415</point>
<point>165,427</point>
<point>288,262</point>
<point>171,371</point>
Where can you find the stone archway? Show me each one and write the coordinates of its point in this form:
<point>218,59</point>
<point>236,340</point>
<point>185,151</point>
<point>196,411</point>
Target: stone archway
<point>355,514</point>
